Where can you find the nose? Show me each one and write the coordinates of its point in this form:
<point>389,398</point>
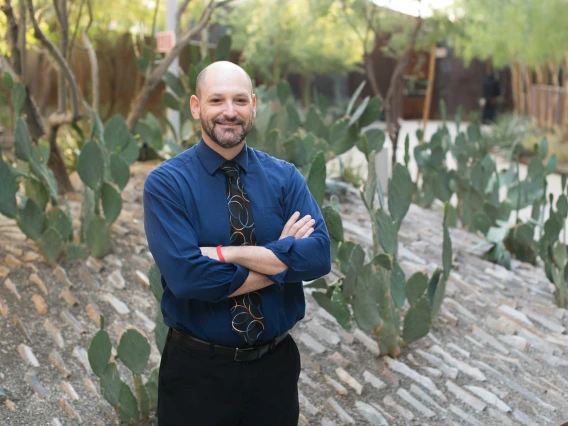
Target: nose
<point>230,111</point>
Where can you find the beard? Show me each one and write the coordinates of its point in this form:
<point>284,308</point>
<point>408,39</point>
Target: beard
<point>229,137</point>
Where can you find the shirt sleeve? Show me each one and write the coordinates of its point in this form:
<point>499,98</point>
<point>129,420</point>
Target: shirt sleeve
<point>308,258</point>
<point>174,246</point>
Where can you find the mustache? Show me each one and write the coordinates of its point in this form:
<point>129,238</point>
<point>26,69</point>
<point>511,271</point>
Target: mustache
<point>235,121</point>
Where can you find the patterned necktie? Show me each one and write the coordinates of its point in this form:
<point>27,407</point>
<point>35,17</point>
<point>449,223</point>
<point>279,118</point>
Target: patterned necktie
<point>246,313</point>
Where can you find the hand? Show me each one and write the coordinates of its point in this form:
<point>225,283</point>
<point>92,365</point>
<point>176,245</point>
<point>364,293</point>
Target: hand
<point>210,252</point>
<point>298,228</point>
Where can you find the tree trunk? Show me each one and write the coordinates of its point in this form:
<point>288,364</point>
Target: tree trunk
<point>393,99</point>
<point>429,92</point>
<point>515,88</point>
<point>57,165</point>
<point>371,76</point>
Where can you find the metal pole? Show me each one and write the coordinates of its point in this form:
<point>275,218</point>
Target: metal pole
<point>173,116</point>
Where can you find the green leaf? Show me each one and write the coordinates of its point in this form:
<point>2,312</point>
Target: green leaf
<point>51,245</point>
<point>333,222</point>
<point>340,309</point>
<point>143,60</point>
<point>323,300</point>
<point>23,141</point>
<point>127,405</point>
<point>417,321</point>
<point>116,134</point>
<point>134,351</point>
<point>112,202</point>
<point>90,164</point>
<point>98,237</point>
<point>481,223</point>
<point>31,219</point>
<point>142,395</point>
<point>344,255</point>
<point>8,189</point>
<point>416,286</point>
<point>18,98</point>
<point>375,140</point>
<point>44,150</point>
<point>543,148</point>
<point>401,189</point>
<point>339,139</point>
<point>354,98</point>
<point>175,84</point>
<point>319,283</point>
<point>152,388</point>
<point>75,252</point>
<point>356,261</point>
<point>397,285</point>
<point>316,178</point>
<point>314,124</point>
<point>372,113</point>
<point>170,101</point>
<point>111,384</point>
<point>155,278</point>
<point>283,89</point>
<point>384,261</point>
<point>365,304</point>
<point>433,285</point>
<point>100,352</point>
<point>359,111</point>
<point>131,152</point>
<point>552,164</point>
<point>223,51</point>
<point>161,330</point>
<point>8,80</point>
<point>97,129</point>
<point>447,247</point>
<point>386,232</point>
<point>119,170</point>
<point>61,222</point>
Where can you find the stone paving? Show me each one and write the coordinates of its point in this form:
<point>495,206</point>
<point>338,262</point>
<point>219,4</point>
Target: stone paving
<point>496,354</point>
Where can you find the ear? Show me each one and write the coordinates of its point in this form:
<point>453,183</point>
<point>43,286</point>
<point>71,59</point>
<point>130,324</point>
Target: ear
<point>253,106</point>
<point>194,106</point>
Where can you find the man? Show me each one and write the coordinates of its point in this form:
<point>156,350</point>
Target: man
<point>234,233</point>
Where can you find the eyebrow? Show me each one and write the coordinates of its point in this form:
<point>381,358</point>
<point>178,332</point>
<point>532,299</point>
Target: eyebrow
<point>221,95</point>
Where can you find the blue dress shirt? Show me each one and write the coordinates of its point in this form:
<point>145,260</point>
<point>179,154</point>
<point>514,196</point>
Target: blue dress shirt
<point>185,208</point>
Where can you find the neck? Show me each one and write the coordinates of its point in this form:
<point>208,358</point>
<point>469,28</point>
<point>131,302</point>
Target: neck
<point>227,153</point>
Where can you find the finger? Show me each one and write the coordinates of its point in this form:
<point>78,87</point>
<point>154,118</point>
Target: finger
<point>305,228</point>
<point>290,222</point>
<point>308,233</point>
<point>299,224</point>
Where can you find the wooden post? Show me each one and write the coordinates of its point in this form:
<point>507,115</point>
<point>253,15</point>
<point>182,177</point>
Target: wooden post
<point>429,91</point>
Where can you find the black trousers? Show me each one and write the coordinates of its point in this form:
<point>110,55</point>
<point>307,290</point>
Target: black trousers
<point>197,388</point>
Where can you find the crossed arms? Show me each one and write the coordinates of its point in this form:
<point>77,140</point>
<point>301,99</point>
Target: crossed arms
<point>302,253</point>
<point>259,260</point>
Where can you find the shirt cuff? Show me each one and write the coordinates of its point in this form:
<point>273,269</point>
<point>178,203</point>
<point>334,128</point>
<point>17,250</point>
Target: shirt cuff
<point>280,248</point>
<point>239,279</point>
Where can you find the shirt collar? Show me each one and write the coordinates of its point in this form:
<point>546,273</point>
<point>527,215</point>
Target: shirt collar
<point>212,160</point>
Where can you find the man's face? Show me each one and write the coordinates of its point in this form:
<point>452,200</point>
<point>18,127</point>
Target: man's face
<point>226,108</point>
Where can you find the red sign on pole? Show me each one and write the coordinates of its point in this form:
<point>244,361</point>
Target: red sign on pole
<point>166,40</point>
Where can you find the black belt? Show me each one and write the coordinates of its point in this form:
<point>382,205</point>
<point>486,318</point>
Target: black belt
<point>237,354</point>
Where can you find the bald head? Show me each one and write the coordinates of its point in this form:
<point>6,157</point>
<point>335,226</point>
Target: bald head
<point>222,72</point>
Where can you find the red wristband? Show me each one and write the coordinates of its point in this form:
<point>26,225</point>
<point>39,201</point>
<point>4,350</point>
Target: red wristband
<point>220,254</point>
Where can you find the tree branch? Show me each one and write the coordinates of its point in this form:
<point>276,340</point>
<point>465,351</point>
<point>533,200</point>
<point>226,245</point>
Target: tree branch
<point>61,11</point>
<point>59,59</point>
<point>153,50</point>
<point>353,26</point>
<point>179,12</point>
<point>156,76</point>
<point>93,60</point>
<point>13,35</point>
<point>74,36</point>
<point>22,42</point>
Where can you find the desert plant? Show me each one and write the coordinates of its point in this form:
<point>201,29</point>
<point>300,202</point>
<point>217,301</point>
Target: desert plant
<point>103,166</point>
<point>374,289</point>
<point>133,351</point>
